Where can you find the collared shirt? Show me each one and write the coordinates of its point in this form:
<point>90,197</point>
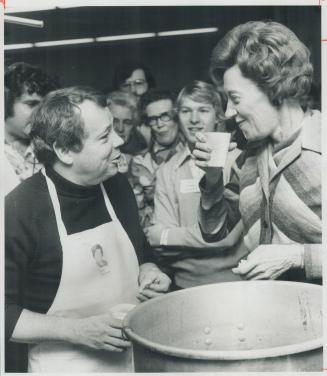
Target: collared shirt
<point>142,176</point>
<point>20,167</point>
<point>177,195</point>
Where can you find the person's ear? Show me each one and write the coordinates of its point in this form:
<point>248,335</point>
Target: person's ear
<point>63,154</point>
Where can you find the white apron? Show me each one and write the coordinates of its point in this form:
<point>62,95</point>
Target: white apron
<point>99,270</point>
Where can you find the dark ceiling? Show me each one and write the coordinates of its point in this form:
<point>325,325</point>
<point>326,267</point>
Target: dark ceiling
<point>112,20</point>
<point>173,60</point>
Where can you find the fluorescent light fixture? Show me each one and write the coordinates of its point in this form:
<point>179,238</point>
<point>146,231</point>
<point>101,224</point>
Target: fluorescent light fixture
<point>109,38</point>
<point>23,21</point>
<point>17,46</point>
<point>63,42</point>
<point>187,31</point>
<point>125,37</point>
<point>13,6</point>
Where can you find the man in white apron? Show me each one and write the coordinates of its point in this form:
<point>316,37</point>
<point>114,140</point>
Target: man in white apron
<point>74,244</point>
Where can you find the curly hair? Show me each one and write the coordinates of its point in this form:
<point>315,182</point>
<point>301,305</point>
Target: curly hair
<point>268,53</point>
<point>202,92</point>
<point>22,77</point>
<point>121,98</point>
<point>58,120</point>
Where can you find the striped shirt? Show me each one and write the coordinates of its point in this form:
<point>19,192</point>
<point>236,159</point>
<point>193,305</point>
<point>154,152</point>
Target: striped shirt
<point>277,196</point>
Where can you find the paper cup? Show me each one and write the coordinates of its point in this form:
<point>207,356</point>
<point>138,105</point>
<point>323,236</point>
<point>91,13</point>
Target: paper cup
<point>219,143</point>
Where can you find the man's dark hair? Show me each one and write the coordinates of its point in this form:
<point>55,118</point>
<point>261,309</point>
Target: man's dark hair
<point>58,120</point>
<point>155,95</point>
<point>125,70</point>
<point>22,77</point>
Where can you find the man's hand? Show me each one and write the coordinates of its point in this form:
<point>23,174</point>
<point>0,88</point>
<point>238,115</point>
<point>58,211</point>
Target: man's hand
<point>269,261</point>
<point>153,234</point>
<point>152,282</point>
<point>103,332</point>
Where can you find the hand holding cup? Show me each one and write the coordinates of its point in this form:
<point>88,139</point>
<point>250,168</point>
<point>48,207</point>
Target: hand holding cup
<point>210,152</point>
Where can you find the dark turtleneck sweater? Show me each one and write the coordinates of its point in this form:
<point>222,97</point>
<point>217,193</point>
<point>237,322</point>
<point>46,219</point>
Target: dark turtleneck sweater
<point>33,250</point>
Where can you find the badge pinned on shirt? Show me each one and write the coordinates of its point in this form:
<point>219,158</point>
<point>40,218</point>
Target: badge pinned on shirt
<point>189,186</point>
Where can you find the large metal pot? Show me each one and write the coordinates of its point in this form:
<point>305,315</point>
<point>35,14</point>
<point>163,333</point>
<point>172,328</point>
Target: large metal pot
<point>236,326</point>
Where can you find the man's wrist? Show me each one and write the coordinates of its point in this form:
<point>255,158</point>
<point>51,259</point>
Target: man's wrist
<point>164,237</point>
<point>148,267</point>
<point>298,260</point>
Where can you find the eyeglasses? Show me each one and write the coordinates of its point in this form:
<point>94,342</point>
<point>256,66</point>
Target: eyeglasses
<point>151,121</point>
<point>137,84</point>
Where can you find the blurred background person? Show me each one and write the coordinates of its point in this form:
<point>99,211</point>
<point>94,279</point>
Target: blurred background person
<point>25,86</point>
<point>125,110</point>
<point>135,77</point>
<point>275,187</point>
<point>157,107</point>
<point>176,235</point>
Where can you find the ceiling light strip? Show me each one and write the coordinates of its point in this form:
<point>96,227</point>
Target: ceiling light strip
<point>112,38</point>
<point>125,37</point>
<point>18,46</point>
<point>187,31</point>
<point>64,42</point>
<point>23,21</point>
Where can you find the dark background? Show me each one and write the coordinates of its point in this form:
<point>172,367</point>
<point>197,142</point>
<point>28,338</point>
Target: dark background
<point>174,61</point>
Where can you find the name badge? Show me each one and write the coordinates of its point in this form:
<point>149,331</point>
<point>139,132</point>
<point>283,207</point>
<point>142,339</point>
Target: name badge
<point>189,186</point>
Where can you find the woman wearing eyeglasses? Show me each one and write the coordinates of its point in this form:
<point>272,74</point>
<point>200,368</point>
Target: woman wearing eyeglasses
<point>181,249</point>
<point>157,107</point>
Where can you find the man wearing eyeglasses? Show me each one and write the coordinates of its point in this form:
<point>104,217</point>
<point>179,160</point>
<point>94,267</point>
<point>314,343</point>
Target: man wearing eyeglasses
<point>136,83</point>
<point>157,107</point>
<point>133,77</point>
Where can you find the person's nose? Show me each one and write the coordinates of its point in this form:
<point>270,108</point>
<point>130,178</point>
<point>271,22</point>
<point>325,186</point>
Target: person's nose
<point>116,141</point>
<point>133,89</point>
<point>194,117</point>
<point>119,127</point>
<point>160,123</point>
<point>230,110</point>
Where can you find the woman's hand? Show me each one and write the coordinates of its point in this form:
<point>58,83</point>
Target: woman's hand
<point>202,154</point>
<point>152,282</point>
<point>103,332</point>
<point>269,261</point>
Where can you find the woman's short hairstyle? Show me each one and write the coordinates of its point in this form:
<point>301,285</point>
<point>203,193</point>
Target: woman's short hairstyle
<point>124,99</point>
<point>126,69</point>
<point>202,92</point>
<point>269,54</point>
<point>58,120</point>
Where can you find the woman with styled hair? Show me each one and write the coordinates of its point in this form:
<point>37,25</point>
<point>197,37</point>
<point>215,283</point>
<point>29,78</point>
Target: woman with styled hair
<point>180,248</point>
<point>275,186</point>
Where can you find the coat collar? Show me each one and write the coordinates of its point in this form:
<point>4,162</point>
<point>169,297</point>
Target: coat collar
<point>308,137</point>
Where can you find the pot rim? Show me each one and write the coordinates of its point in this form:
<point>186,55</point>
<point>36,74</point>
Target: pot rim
<point>222,354</point>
